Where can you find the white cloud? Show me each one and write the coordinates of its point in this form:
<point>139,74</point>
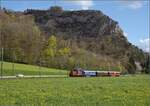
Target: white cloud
<point>125,34</point>
<point>145,41</point>
<point>147,49</point>
<point>85,4</point>
<point>71,9</point>
<point>145,44</point>
<point>132,4</point>
<point>136,5</point>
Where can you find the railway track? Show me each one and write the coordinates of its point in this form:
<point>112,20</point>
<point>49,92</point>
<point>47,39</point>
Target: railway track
<point>34,76</point>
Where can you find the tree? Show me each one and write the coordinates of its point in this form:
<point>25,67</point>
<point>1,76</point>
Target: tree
<point>56,10</point>
<point>146,64</point>
<point>50,49</point>
<point>20,35</point>
<point>64,51</point>
<point>130,66</point>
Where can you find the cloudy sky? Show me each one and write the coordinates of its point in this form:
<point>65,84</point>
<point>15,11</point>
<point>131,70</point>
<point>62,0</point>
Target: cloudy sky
<point>133,16</point>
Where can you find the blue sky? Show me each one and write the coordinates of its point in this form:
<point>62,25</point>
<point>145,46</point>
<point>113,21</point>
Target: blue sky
<point>133,16</point>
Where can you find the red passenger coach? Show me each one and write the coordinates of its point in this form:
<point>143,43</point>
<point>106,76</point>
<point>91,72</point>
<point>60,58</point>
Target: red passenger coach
<point>114,73</point>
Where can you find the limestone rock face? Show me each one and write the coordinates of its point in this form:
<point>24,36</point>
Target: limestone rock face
<point>89,23</point>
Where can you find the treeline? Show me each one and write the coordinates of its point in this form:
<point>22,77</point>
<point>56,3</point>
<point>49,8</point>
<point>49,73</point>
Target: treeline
<point>23,42</point>
<point>20,38</point>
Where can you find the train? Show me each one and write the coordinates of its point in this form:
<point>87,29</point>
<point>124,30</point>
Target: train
<point>87,73</point>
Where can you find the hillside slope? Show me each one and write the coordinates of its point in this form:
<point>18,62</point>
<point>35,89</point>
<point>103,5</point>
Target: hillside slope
<point>90,30</point>
<point>10,69</point>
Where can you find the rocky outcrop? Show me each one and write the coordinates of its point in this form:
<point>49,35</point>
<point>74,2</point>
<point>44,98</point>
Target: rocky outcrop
<point>90,23</point>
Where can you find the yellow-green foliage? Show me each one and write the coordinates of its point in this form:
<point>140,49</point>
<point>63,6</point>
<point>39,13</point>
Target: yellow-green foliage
<point>64,51</point>
<point>52,42</point>
<point>50,49</point>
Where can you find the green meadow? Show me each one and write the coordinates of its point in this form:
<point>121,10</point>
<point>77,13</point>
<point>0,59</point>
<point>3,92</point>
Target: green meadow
<point>95,91</point>
<point>24,69</point>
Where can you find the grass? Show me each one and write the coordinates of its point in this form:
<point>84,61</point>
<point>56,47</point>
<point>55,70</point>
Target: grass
<point>95,91</point>
<point>29,70</point>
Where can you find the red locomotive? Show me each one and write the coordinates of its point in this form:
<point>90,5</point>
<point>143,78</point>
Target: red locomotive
<point>76,73</point>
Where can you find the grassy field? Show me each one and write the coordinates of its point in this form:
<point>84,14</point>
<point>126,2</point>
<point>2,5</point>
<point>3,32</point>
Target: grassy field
<point>29,70</point>
<point>96,91</point>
